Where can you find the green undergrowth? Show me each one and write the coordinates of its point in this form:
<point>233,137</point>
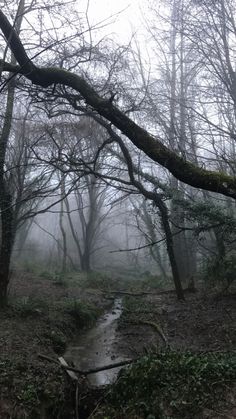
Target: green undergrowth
<point>116,282</point>
<point>155,282</point>
<point>219,272</point>
<point>137,309</point>
<point>29,307</point>
<point>97,280</point>
<point>83,313</point>
<point>137,304</point>
<point>108,282</point>
<point>31,387</point>
<point>33,391</point>
<point>117,279</point>
<point>62,319</point>
<point>170,385</point>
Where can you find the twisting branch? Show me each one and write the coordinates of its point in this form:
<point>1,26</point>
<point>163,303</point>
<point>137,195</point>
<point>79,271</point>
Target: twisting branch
<point>183,170</point>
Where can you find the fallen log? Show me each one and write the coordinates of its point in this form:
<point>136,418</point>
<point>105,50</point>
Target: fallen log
<point>90,371</point>
<point>64,364</point>
<point>74,377</point>
<point>132,294</point>
<point>110,366</point>
<point>140,294</point>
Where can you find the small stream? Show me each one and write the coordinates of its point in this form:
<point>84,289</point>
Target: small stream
<point>96,347</point>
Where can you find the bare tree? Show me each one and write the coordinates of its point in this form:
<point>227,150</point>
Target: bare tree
<point>177,152</point>
<point>147,223</point>
<point>7,234</point>
<point>185,171</point>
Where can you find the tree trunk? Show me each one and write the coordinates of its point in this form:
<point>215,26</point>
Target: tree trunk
<point>63,232</point>
<point>7,239</point>
<point>73,231</point>
<point>6,209</point>
<point>85,262</point>
<point>154,250</point>
<point>170,249</point>
<point>177,217</point>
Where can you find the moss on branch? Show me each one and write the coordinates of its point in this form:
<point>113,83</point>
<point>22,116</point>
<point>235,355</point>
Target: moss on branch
<point>183,170</point>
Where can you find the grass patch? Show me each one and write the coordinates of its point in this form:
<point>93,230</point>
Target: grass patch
<point>98,280</point>
<point>83,313</point>
<point>171,385</point>
<point>30,307</point>
<point>26,388</point>
<point>62,318</point>
<point>115,282</point>
<point>135,309</point>
<point>58,278</point>
<point>136,305</point>
<point>155,282</point>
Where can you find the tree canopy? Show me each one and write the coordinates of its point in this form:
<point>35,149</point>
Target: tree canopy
<point>183,170</point>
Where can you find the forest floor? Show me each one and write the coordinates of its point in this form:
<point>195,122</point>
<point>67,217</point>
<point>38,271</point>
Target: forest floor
<point>204,323</point>
<point>45,314</point>
<point>201,323</point>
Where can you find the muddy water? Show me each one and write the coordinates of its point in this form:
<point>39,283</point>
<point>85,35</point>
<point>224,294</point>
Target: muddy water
<point>96,347</point>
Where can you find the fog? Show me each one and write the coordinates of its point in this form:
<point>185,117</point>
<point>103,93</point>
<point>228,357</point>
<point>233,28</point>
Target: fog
<point>123,161</point>
<point>110,251</point>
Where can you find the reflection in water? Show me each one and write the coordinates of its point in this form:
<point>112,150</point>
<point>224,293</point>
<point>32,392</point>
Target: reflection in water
<point>96,347</point>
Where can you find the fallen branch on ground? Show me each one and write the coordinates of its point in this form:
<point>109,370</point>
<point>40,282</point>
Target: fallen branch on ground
<point>132,294</point>
<point>140,294</point>
<point>90,371</point>
<point>156,327</point>
<point>64,364</point>
<point>74,377</point>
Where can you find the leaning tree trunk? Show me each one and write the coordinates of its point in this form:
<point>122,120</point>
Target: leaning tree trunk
<point>157,200</point>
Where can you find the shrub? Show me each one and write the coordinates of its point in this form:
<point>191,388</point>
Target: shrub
<point>171,385</point>
<point>83,313</point>
<point>30,307</point>
<point>220,271</point>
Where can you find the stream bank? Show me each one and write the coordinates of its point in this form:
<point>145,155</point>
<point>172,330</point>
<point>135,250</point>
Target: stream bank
<point>34,389</point>
<point>193,377</point>
<point>97,347</point>
<point>42,318</point>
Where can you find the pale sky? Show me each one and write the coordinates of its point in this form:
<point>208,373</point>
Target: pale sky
<point>127,21</point>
